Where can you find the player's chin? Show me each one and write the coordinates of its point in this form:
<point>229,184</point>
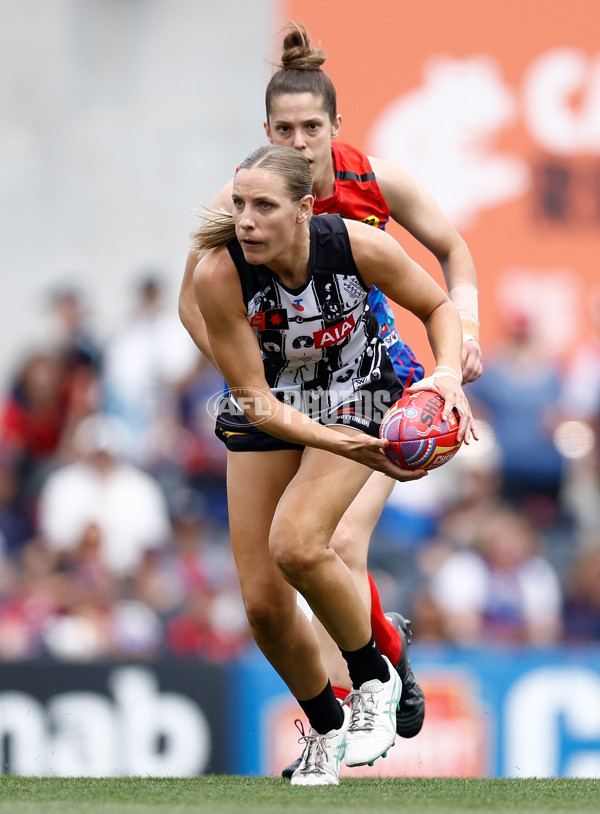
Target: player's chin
<point>254,253</point>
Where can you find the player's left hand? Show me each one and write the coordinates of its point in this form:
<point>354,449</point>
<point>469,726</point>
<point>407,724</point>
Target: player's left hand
<point>446,384</point>
<point>472,361</point>
<point>369,451</point>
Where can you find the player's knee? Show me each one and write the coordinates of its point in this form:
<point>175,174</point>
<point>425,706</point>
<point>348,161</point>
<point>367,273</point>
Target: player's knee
<point>264,617</point>
<point>292,562</point>
<point>296,558</point>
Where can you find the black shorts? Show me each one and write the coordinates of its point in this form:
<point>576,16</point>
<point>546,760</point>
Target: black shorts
<point>364,412</point>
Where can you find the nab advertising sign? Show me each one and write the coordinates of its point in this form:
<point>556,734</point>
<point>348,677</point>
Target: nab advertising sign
<point>98,720</point>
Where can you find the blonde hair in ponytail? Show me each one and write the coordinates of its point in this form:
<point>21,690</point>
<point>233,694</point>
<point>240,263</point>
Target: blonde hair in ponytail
<point>217,229</point>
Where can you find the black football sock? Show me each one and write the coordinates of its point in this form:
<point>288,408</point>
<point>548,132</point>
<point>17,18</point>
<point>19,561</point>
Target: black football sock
<point>365,664</point>
<point>323,712</point>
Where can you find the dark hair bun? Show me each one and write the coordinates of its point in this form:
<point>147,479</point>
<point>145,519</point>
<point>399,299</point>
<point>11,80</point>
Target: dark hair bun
<point>298,54</point>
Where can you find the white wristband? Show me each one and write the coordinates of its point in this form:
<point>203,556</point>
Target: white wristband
<point>448,372</point>
<point>470,338</point>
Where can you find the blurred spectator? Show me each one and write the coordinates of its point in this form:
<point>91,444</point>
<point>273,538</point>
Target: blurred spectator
<point>34,413</point>
<point>53,389</point>
<point>581,392</point>
<point>29,602</point>
<point>145,364</point>
<point>581,492</point>
<point>582,601</point>
<point>136,630</point>
<point>188,454</point>
<point>473,486</point>
<point>202,455</point>
<point>210,625</point>
<point>155,582</point>
<point>579,433</point>
<point>35,425</point>
<point>78,632</point>
<point>16,517</point>
<point>7,573</point>
<point>211,622</point>
<point>501,590</point>
<point>519,397</point>
<point>102,489</point>
<point>71,336</point>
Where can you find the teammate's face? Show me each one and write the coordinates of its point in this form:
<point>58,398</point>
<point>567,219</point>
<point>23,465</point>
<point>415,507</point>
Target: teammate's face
<point>266,220</point>
<point>299,120</point>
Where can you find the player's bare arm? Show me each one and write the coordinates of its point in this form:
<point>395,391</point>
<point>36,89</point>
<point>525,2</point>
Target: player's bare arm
<point>415,209</point>
<point>189,311</point>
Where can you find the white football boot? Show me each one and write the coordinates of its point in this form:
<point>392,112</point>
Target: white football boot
<point>322,755</point>
<point>372,728</point>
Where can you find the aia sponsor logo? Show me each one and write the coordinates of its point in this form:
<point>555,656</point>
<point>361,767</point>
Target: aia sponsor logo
<point>335,333</point>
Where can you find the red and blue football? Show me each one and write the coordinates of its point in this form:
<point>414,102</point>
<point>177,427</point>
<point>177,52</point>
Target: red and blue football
<point>418,436</point>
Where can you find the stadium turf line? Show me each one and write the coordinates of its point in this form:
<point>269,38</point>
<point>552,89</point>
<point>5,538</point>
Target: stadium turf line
<point>217,794</point>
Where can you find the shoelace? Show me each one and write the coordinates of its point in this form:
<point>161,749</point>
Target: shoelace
<point>362,713</point>
<point>315,749</point>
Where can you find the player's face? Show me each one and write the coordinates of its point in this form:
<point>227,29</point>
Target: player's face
<point>266,219</point>
<point>299,120</point>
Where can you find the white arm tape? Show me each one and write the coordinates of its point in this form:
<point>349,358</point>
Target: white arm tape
<point>465,298</point>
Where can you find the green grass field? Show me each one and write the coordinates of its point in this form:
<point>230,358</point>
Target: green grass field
<point>244,795</point>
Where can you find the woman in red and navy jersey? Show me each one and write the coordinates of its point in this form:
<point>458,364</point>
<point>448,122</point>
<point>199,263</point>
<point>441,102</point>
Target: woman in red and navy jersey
<point>302,113</point>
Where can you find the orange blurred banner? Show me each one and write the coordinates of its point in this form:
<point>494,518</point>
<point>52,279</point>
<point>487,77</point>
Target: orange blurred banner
<point>496,109</point>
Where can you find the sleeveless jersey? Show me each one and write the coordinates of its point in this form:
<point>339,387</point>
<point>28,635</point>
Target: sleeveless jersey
<point>357,197</point>
<point>320,342</point>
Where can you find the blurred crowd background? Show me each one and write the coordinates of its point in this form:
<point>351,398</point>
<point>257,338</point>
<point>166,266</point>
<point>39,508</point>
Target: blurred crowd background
<point>113,518</point>
<point>121,117</point>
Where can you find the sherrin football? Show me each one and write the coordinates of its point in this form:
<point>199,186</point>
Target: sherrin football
<point>418,436</point>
